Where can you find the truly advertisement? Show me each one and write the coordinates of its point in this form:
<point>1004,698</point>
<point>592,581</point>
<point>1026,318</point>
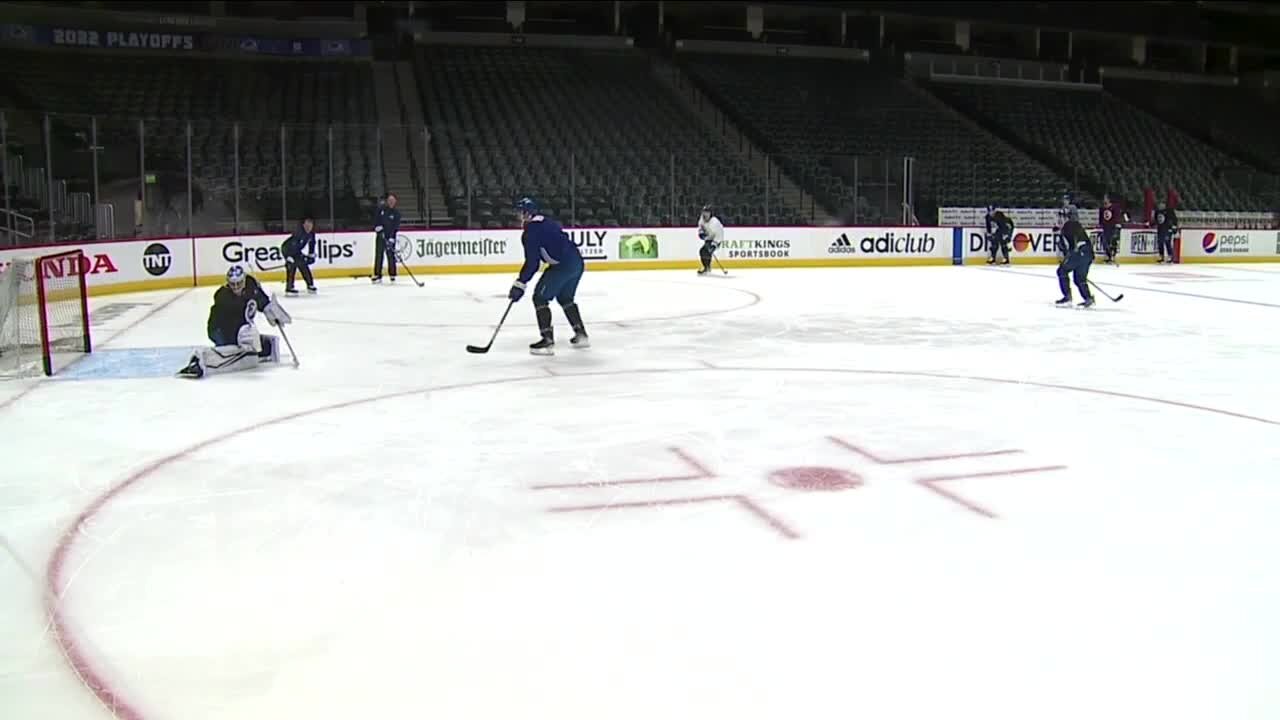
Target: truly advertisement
<point>591,243</point>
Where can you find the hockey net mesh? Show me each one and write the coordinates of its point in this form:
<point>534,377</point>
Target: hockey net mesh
<point>26,322</point>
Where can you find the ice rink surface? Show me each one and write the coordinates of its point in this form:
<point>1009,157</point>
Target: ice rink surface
<point>854,493</point>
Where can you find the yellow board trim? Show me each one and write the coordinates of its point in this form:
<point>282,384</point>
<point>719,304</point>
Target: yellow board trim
<point>629,265</point>
<point>1232,259</point>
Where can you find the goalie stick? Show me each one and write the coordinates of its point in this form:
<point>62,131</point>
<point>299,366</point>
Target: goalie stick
<point>480,350</point>
<point>285,335</point>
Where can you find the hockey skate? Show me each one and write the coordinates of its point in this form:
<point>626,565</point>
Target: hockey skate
<point>192,370</point>
<point>991,261</point>
<point>545,346</point>
<point>1088,303</point>
<point>291,291</point>
<point>376,279</point>
<point>1004,261</point>
<point>311,290</point>
<point>704,271</point>
<point>1064,302</point>
<point>580,341</point>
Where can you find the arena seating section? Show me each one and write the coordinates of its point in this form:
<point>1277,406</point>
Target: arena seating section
<point>1114,146</point>
<point>1237,120</point>
<point>817,114</point>
<point>524,115</point>
<point>600,141</point>
<point>212,94</point>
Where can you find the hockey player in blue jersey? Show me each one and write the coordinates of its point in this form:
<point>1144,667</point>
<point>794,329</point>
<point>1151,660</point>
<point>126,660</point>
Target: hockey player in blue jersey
<point>1078,249</point>
<point>299,250</point>
<point>545,242</point>
<point>999,234</point>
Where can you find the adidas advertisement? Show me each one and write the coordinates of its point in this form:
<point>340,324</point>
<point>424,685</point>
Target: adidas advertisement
<point>892,242</point>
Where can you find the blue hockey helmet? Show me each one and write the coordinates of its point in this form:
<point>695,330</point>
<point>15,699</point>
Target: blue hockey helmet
<point>236,278</point>
<point>1066,199</point>
<point>527,205</point>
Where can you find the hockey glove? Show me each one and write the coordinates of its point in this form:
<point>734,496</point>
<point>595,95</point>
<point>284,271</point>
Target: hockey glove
<point>517,291</point>
<point>377,228</point>
<point>248,339</point>
<point>310,259</point>
<point>702,233</point>
<point>276,314</point>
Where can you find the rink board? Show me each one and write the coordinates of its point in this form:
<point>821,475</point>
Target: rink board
<point>151,264</point>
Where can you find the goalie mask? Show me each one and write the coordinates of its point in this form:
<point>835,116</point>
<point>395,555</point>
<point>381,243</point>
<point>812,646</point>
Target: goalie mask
<point>236,279</point>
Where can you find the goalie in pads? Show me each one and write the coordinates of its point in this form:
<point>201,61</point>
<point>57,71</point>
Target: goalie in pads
<point>237,345</point>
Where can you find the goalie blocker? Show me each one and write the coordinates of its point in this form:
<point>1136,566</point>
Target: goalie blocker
<point>237,344</point>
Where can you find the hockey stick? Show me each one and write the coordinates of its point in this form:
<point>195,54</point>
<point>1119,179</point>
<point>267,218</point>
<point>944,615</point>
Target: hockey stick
<point>285,335</point>
<point>718,263</point>
<point>478,350</point>
<point>1117,298</point>
<point>403,249</point>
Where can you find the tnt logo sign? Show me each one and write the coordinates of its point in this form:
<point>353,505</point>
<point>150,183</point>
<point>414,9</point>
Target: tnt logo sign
<point>156,259</point>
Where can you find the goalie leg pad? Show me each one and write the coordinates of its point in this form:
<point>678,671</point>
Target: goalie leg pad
<point>226,359</point>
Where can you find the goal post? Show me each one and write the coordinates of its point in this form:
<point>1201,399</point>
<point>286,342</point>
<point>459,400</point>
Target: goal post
<point>44,314</point>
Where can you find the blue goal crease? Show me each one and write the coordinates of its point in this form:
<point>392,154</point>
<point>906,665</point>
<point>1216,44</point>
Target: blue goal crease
<point>128,363</point>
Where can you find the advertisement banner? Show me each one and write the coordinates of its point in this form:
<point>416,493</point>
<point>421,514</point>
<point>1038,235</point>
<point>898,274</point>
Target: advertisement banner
<point>1037,244</point>
<point>99,39</point>
<point>459,247</point>
<point>261,253</point>
<point>128,265</point>
<point>293,47</point>
<point>871,243</point>
<point>1230,245</point>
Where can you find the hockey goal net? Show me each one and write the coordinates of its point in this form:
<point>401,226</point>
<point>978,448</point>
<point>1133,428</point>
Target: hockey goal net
<point>44,314</point>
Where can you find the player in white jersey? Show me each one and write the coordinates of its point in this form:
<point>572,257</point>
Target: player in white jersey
<point>711,233</point>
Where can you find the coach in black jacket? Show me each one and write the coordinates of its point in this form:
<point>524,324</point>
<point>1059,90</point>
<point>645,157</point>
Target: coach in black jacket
<point>386,224</point>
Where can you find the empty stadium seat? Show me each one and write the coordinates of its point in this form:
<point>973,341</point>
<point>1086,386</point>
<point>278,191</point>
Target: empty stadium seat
<point>1115,146</point>
<point>821,115</point>
<point>590,134</point>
